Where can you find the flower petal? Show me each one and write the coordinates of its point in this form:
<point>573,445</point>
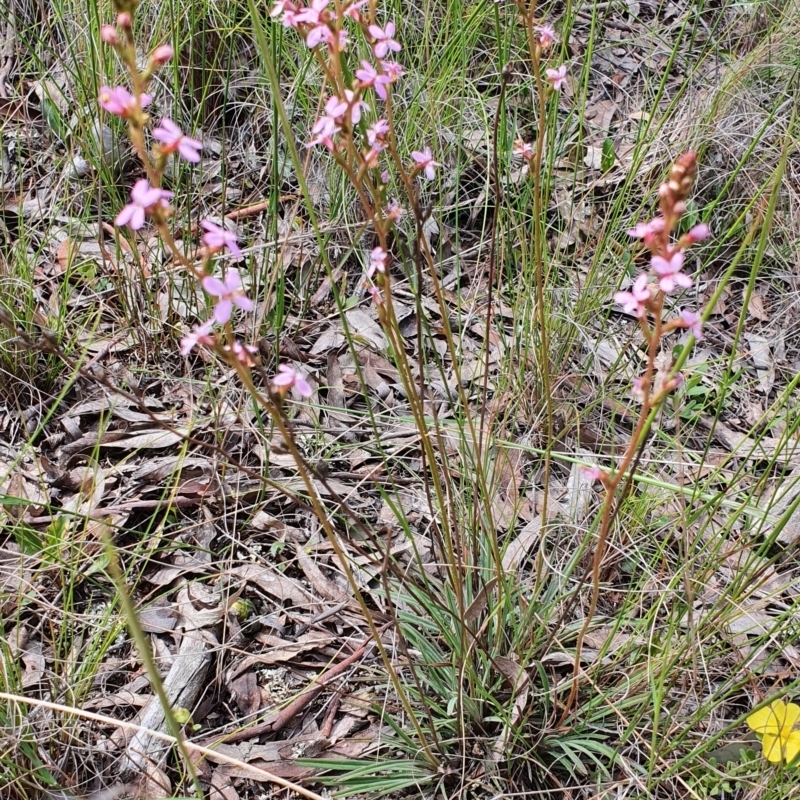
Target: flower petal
<point>790,718</point>
<point>214,286</point>
<point>771,747</point>
<point>791,746</point>
<point>767,720</point>
<point>223,310</point>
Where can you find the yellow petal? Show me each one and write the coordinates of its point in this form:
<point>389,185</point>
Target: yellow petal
<point>771,747</point>
<point>768,720</point>
<point>791,746</point>
<point>792,715</point>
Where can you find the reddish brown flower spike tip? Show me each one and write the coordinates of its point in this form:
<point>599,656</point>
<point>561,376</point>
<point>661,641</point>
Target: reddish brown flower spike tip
<point>682,175</point>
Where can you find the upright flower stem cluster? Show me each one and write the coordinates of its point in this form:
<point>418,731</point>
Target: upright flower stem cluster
<point>646,299</point>
<point>357,128</point>
<point>155,145</point>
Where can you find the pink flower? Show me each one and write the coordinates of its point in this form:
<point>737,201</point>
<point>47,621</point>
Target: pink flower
<point>669,272</point>
<point>124,19</point>
<point>636,300</point>
<point>281,7</point>
<point>698,233</point>
<point>319,33</point>
<point>393,211</point>
<point>354,106</point>
<point>172,140</point>
<point>376,295</point>
<point>287,377</point>
<point>392,70</point>
<point>523,149</point>
<point>228,293</point>
<point>593,473</point>
<point>377,261</point>
<point>108,33</point>
<point>217,237</point>
<point>337,40</point>
<point>692,321</point>
<point>377,133</point>
<point>424,160</point>
<point>243,353</point>
<point>314,14</point>
<point>383,39</point>
<point>369,76</point>
<point>644,230</point>
<point>557,76</point>
<point>144,198</point>
<point>120,102</point>
<point>198,335</point>
<point>352,10</point>
<point>289,11</point>
<point>547,36</point>
<point>329,123</point>
<point>336,109</point>
<point>163,54</point>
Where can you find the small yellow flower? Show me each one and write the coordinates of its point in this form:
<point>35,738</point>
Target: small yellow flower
<point>775,723</point>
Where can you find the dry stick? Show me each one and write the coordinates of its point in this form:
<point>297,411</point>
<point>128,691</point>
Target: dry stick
<point>132,726</point>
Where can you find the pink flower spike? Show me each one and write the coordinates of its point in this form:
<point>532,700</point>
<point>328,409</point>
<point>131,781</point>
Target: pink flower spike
<point>198,335</point>
<point>692,321</point>
<point>636,300</point>
<point>547,36</point>
<point>384,41</point>
<point>424,160</point>
<point>288,377</point>
<point>698,233</point>
<point>120,102</point>
<point>216,238</point>
<point>144,198</point>
<point>557,76</point>
<point>228,293</point>
<point>369,76</point>
<point>377,261</point>
<point>108,33</point>
<point>172,140</point>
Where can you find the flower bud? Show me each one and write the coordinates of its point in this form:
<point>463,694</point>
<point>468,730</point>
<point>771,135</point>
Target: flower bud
<point>108,33</point>
<point>124,20</point>
<point>698,233</point>
<point>163,54</point>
